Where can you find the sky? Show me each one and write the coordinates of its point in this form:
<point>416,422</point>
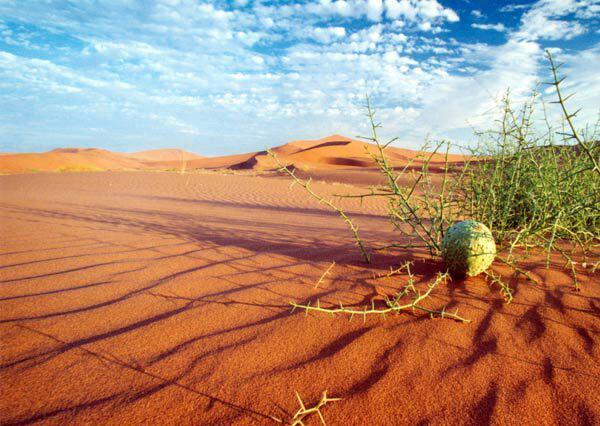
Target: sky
<point>225,77</point>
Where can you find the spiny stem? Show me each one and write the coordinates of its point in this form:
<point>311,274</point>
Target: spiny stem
<point>393,305</point>
<point>325,274</point>
<point>569,117</point>
<point>505,289</point>
<point>393,271</point>
<point>517,269</point>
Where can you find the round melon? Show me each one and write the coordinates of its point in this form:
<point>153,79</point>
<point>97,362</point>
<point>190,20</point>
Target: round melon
<point>468,248</point>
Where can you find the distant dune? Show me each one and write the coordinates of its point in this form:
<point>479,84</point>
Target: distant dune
<point>330,156</point>
<point>66,159</point>
<point>167,154</point>
<point>335,152</point>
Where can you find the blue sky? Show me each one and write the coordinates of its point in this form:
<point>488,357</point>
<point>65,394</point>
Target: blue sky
<point>224,77</point>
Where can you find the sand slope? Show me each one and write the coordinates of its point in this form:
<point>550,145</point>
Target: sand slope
<point>145,298</point>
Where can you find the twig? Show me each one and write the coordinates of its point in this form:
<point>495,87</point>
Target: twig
<point>571,265</point>
<point>393,304</point>
<point>505,289</point>
<point>303,412</point>
<point>325,274</point>
<point>393,271</point>
<point>517,269</point>
<point>569,117</point>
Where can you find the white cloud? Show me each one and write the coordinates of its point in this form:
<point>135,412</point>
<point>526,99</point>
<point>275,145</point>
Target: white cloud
<point>374,9</point>
<point>43,74</point>
<point>495,27</point>
<point>327,34</point>
<point>544,20</point>
<point>509,8</point>
<point>454,102</point>
<point>477,14</point>
<point>412,11</point>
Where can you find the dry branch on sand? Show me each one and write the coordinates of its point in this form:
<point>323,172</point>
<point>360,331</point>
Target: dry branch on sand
<point>394,305</point>
<point>303,412</point>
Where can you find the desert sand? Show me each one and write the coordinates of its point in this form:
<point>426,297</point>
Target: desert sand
<point>143,298</point>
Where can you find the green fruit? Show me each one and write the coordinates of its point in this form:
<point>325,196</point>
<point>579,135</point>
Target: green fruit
<point>468,248</point>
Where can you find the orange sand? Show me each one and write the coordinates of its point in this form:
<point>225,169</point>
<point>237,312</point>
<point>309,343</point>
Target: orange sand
<point>160,298</point>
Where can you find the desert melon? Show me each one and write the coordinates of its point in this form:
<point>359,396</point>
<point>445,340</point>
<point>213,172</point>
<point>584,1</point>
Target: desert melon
<point>468,248</point>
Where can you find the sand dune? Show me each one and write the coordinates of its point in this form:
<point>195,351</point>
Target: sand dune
<point>322,157</point>
<point>66,159</point>
<point>137,298</point>
<point>334,152</point>
<point>93,159</point>
<point>167,154</point>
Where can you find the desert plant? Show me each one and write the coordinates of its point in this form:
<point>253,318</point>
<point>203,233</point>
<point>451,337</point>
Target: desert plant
<point>529,189</point>
<point>532,190</point>
<point>422,211</point>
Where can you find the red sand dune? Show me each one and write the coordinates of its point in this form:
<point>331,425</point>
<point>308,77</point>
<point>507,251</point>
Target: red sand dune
<point>160,298</point>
